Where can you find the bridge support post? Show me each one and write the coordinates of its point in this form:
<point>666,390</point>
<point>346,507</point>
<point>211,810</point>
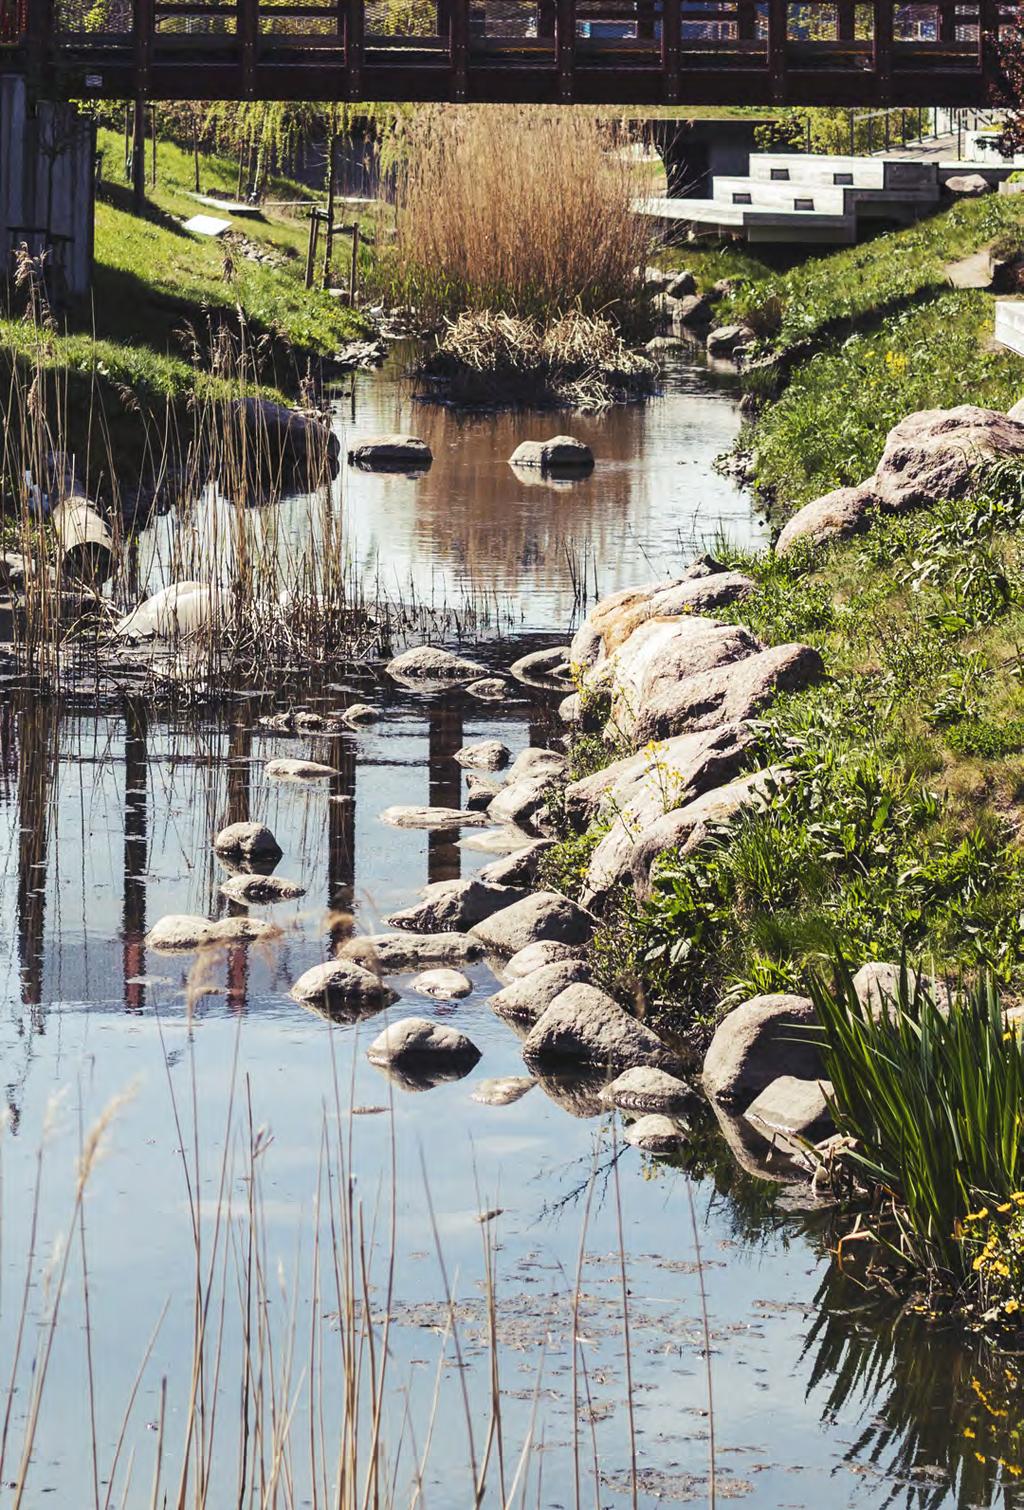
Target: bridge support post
<point>846,20</point>
<point>565,47</point>
<point>458,45</point>
<point>354,48</point>
<point>139,154</point>
<point>671,29</point>
<point>248,26</point>
<point>883,50</point>
<point>778,16</point>
<point>988,41</point>
<point>40,39</point>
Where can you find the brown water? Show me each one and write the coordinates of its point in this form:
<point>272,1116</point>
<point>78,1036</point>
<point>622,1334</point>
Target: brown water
<point>824,1394</point>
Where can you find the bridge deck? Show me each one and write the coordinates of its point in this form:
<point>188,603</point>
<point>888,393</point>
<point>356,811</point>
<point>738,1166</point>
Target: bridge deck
<point>630,52</point>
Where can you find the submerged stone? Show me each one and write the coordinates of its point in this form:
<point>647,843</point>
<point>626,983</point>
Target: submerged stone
<point>443,985</point>
<point>261,889</point>
<point>485,755</point>
<point>435,818</point>
<point>297,770</point>
<point>432,664</point>
<point>503,1090</point>
<point>178,933</point>
<point>391,953</point>
<point>560,453</point>
<point>646,1089</point>
<point>416,1038</point>
<point>390,453</point>
<point>342,987</point>
<point>654,1133</point>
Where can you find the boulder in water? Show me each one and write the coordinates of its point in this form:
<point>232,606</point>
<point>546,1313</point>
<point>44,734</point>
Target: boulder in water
<point>391,453</point>
<point>562,453</point>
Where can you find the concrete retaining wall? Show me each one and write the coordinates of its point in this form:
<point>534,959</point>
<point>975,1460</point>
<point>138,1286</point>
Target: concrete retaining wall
<point>47,185</point>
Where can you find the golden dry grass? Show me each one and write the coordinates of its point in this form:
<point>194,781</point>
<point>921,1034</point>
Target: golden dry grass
<point>522,209</point>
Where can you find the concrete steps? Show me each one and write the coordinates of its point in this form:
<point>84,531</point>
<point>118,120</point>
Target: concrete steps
<point>790,197</point>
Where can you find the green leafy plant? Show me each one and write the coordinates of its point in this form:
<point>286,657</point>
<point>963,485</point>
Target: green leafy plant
<point>932,1096</point>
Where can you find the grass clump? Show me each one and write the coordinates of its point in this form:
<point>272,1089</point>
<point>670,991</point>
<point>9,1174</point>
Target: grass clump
<point>579,361</point>
<point>931,1099</point>
<point>521,210</point>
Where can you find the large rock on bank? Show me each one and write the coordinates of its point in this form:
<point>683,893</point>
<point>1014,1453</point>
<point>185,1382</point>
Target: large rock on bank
<point>837,515</point>
<point>791,1112</point>
<point>731,693</point>
<point>627,852</point>
<point>705,585</point>
<point>934,454</point>
<point>539,916</point>
<point>649,783</point>
<point>584,1026</point>
<point>758,1041</point>
<point>529,997</point>
<point>647,667</point>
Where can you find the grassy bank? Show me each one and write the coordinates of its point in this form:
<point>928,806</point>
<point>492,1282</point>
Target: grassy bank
<point>898,836</point>
<point>902,827</point>
<point>121,367</point>
<point>861,336</point>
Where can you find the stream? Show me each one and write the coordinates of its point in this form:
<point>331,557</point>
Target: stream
<point>825,1394</point>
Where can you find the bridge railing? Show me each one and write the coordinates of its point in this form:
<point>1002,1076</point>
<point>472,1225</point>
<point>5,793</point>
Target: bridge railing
<point>774,50</point>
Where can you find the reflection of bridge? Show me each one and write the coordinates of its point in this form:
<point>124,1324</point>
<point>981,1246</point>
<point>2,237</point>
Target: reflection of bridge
<point>650,52</point>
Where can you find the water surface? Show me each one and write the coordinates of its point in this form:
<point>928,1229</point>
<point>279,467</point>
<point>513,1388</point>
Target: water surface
<point>824,1395</point>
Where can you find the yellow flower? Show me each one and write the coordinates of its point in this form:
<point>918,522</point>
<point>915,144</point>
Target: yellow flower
<point>969,1433</point>
<point>1012,1305</point>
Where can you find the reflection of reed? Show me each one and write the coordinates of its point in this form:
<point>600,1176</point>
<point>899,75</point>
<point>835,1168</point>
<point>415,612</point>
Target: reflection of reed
<point>939,1411</point>
<point>341,841</point>
<point>238,811</point>
<point>136,851</point>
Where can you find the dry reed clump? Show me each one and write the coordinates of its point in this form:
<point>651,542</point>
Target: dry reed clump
<point>522,209</point>
<point>580,361</point>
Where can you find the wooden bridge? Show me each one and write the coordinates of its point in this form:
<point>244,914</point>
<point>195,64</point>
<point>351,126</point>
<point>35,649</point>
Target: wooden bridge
<point>602,52</point>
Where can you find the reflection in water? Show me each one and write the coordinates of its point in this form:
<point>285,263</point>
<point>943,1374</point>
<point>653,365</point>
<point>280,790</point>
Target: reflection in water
<point>136,850</point>
<point>941,1418</point>
<point>472,530</point>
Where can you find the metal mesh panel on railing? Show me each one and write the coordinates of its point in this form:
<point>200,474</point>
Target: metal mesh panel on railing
<point>110,17</point>
<point>603,20</point>
<point>205,18</point>
<point>505,18</point>
<point>278,18</point>
<point>402,18</point>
